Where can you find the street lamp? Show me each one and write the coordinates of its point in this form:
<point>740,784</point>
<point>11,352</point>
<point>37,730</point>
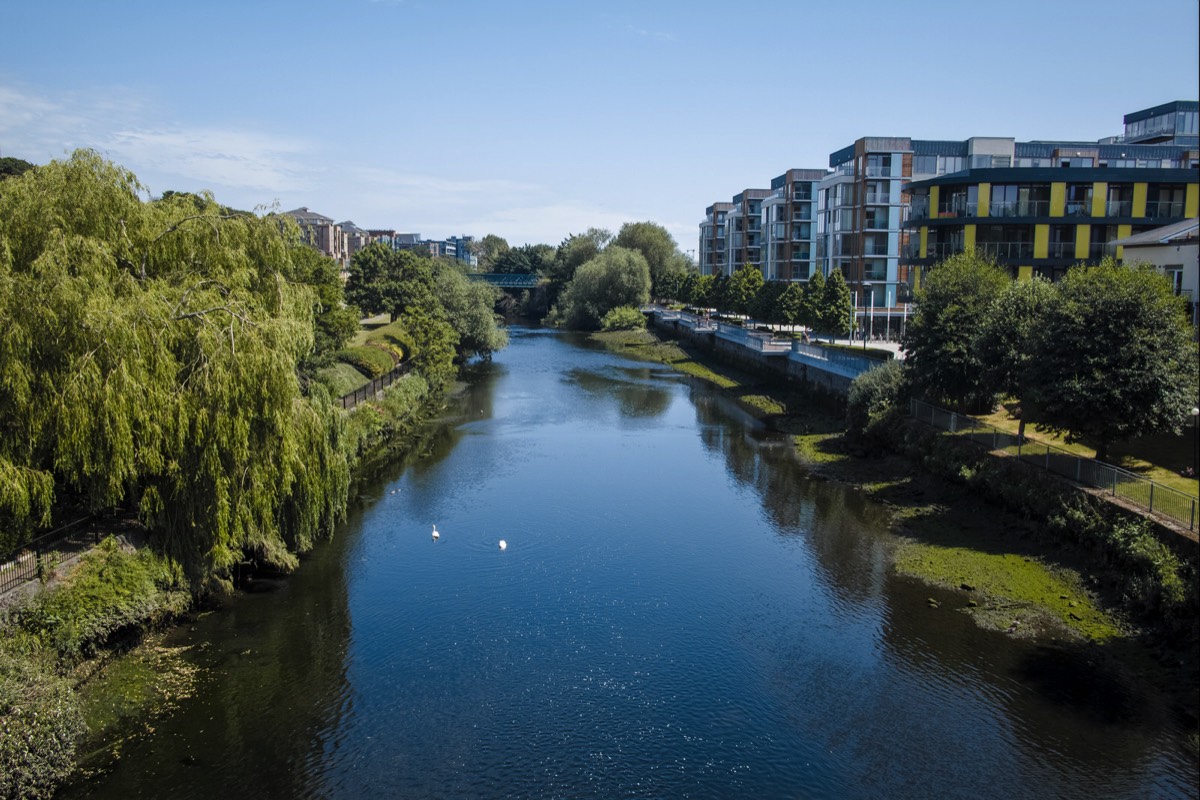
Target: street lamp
<point>1195,441</point>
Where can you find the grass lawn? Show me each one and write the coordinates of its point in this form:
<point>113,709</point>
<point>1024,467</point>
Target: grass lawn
<point>1159,456</point>
<point>366,327</point>
<point>342,378</point>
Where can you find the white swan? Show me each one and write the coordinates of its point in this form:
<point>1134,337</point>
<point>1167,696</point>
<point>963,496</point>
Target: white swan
<point>436,535</point>
<point>503,544</point>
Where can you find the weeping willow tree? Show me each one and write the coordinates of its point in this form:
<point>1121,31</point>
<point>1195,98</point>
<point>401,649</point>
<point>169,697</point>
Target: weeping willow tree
<point>148,358</point>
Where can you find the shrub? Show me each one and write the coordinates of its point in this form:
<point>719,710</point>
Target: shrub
<point>40,725</point>
<point>625,318</point>
<point>341,378</point>
<point>875,398</point>
<point>392,338</point>
<point>371,361</point>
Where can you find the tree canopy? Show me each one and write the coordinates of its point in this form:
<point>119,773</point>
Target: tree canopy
<point>837,307</point>
<point>149,355</point>
<point>943,361</point>
<point>657,246</point>
<point>616,277</point>
<point>1112,357</point>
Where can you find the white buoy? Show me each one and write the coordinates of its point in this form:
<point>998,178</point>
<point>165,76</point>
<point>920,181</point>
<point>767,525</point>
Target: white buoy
<point>435,533</point>
<point>503,544</point>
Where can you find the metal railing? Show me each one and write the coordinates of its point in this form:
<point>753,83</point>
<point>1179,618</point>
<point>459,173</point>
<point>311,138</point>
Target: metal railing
<point>761,341</point>
<point>842,363</point>
<point>372,389</point>
<point>1154,497</point>
<point>37,559</point>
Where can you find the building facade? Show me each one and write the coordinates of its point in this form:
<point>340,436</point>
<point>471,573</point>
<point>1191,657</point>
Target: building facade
<point>744,230</point>
<point>712,239</point>
<point>789,223</point>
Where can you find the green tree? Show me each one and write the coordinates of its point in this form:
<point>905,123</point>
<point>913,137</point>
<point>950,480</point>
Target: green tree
<point>12,167</point>
<point>765,305</point>
<point>617,277</point>
<point>468,307</point>
<point>744,286</point>
<point>1112,357</point>
<point>701,293</point>
<point>814,300</point>
<point>657,246</point>
<point>335,322</point>
<point>1005,342</point>
<point>952,304</point>
<point>837,307</point>
<point>488,250</point>
<point>386,281</point>
<point>150,359</point>
<point>790,305</point>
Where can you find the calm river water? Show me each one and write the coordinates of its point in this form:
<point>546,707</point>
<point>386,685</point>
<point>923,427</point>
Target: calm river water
<point>680,612</point>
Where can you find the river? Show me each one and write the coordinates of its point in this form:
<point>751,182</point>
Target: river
<point>680,612</point>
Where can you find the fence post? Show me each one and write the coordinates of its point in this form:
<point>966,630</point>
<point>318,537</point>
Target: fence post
<point>1047,458</point>
<point>1078,469</point>
<point>1151,495</point>
<point>1114,483</point>
<point>953,422</point>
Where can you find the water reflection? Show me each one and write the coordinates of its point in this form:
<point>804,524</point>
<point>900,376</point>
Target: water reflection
<point>681,612</point>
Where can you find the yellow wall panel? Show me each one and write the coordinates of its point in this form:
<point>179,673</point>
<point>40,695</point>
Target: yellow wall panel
<point>969,237</point>
<point>1139,200</point>
<point>985,199</point>
<point>933,201</point>
<point>1024,273</point>
<point>1083,238</point>
<point>1099,199</point>
<point>924,240</point>
<point>1058,199</point>
<point>1041,241</point>
<point>1191,206</point>
<point>1122,232</point>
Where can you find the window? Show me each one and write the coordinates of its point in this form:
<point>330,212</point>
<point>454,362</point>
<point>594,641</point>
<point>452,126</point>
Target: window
<point>924,165</point>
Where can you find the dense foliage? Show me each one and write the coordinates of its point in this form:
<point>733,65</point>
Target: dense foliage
<point>149,354</point>
<point>942,357</point>
<point>616,277</point>
<point>1112,357</point>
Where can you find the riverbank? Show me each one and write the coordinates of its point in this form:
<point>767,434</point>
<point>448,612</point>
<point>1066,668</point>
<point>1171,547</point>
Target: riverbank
<point>1016,572</point>
<point>81,671</point>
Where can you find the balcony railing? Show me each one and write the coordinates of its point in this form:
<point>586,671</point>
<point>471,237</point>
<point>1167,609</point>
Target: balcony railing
<point>1119,208</point>
<point>918,210</point>
<point>875,248</point>
<point>1164,209</point>
<point>1018,208</point>
<point>1060,250</point>
<point>957,208</point>
<point>1079,208</point>
<point>878,172</point>
<point>940,250</point>
<point>1005,249</point>
<point>878,199</point>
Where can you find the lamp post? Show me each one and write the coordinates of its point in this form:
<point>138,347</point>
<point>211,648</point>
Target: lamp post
<point>1195,441</point>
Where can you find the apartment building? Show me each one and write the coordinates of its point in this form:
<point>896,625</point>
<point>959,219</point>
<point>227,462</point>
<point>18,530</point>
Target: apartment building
<point>1177,122</point>
<point>712,239</point>
<point>323,233</point>
<point>744,230</point>
<point>789,222</point>
<point>1057,205</point>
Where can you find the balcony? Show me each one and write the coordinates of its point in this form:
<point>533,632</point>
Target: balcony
<point>957,208</point>
<point>1164,209</point>
<point>875,248</point>
<point>1079,208</point>
<point>1005,250</point>
<point>801,255</point>
<point>940,250</point>
<point>919,210</point>
<point>1119,208</point>
<point>1096,251</point>
<point>1018,208</point>
<point>802,196</point>
<point>878,172</point>
<point>878,199</point>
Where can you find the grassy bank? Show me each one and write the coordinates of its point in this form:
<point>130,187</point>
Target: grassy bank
<point>1067,568</point>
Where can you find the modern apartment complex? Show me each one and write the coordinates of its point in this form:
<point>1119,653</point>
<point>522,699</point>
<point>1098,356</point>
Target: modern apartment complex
<point>890,207</point>
<point>790,224</point>
<point>712,239</point>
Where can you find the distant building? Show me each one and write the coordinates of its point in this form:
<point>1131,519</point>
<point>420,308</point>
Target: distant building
<point>789,223</point>
<point>1177,122</point>
<point>744,230</point>
<point>324,234</point>
<point>1175,250</point>
<point>356,238</point>
<point>712,239</point>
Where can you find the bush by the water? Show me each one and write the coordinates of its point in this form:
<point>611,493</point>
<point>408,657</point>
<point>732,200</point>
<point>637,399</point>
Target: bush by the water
<point>876,398</point>
<point>625,318</point>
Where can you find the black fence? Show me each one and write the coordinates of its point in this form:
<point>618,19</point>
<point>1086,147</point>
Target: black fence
<point>37,559</point>
<point>372,389</point>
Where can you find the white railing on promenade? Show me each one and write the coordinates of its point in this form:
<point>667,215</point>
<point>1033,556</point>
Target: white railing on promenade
<point>1154,497</point>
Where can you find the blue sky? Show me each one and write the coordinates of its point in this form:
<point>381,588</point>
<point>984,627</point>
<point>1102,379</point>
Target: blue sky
<point>534,120</point>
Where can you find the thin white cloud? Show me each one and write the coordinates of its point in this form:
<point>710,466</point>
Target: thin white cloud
<point>648,34</point>
<point>39,127</point>
<point>216,157</point>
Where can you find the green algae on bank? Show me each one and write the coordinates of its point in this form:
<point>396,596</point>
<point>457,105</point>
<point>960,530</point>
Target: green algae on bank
<point>1011,592</point>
